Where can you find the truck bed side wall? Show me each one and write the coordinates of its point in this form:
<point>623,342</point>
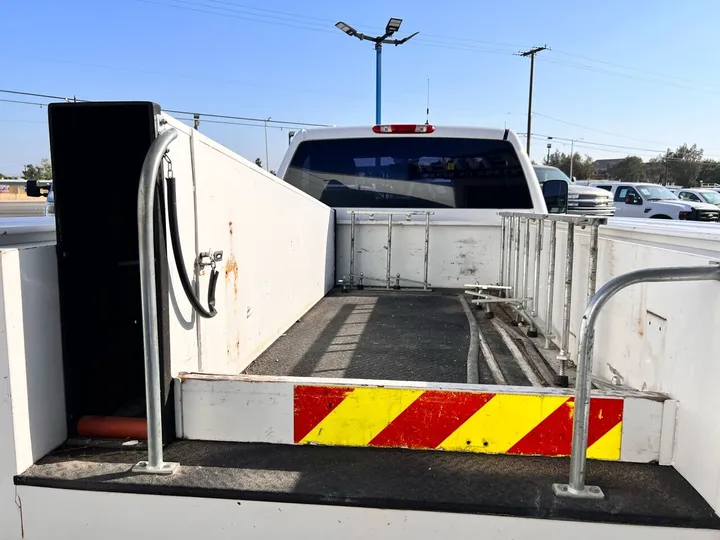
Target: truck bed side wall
<point>32,398</point>
<point>278,254</point>
<point>658,337</point>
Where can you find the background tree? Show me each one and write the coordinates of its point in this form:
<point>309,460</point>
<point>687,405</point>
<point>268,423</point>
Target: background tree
<point>630,169</point>
<point>683,165</point>
<point>710,173</point>
<point>583,167</point>
<point>42,171</point>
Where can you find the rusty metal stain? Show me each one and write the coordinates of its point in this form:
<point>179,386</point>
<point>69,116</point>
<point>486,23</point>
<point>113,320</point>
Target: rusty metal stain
<point>231,268</point>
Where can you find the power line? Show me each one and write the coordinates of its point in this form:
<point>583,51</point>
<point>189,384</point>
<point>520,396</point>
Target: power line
<point>630,68</point>
<point>593,129</point>
<point>317,24</point>
<point>23,102</point>
<point>594,69</point>
<point>33,94</point>
<point>249,119</point>
<point>601,146</point>
<point>233,123</point>
<point>210,115</point>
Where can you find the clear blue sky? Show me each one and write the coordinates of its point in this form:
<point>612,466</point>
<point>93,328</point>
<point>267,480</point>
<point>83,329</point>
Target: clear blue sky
<point>285,60</point>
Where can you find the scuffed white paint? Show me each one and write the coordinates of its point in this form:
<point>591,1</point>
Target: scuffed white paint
<point>86,515</point>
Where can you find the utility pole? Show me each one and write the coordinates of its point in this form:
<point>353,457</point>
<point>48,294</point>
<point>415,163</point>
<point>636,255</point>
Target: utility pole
<point>572,154</point>
<point>531,53</point>
<point>267,156</point>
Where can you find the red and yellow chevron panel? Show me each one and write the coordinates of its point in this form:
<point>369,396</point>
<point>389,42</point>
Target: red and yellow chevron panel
<point>539,425</point>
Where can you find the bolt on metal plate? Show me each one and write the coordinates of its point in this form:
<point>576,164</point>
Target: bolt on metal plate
<point>590,492</point>
<point>165,468</point>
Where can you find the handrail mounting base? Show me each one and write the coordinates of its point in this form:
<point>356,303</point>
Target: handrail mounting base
<point>588,492</point>
<point>165,468</point>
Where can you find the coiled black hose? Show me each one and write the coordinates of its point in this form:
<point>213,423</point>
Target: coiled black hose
<point>180,263</point>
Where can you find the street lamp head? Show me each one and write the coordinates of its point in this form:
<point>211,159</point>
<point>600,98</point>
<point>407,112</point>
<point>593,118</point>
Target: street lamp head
<point>349,30</point>
<point>393,26</point>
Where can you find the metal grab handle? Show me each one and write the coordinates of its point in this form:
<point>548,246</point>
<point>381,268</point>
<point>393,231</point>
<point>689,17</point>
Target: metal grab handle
<point>146,244</point>
<point>578,459</point>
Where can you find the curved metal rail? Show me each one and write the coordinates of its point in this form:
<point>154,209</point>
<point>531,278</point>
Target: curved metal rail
<point>578,460</point>
<point>146,242</point>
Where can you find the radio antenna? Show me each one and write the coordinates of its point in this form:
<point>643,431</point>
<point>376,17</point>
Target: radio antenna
<point>427,110</point>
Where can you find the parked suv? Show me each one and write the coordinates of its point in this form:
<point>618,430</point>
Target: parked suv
<point>585,200</point>
<point>646,200</point>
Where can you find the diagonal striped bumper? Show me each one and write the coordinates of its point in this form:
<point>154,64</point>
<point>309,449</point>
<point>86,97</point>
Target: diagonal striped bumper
<point>629,426</point>
<point>493,423</point>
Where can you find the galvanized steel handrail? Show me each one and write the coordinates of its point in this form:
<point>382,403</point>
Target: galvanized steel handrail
<point>146,244</point>
<point>578,459</point>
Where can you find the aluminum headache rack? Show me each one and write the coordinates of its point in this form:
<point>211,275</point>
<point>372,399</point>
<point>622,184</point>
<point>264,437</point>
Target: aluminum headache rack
<point>391,281</point>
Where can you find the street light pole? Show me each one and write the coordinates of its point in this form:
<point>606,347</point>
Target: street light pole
<point>392,26</point>
<point>378,81</point>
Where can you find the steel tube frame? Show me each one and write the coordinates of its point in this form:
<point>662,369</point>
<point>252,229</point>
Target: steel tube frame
<point>516,280</point>
<point>508,254</point>
<point>578,459</point>
<point>352,248</point>
<point>534,301</point>
<point>388,263</point>
<point>526,262</point>
<point>551,284</point>
<point>426,256</point>
<point>593,263</point>
<point>564,354</point>
<point>501,279</point>
<point>148,292</point>
<point>389,251</point>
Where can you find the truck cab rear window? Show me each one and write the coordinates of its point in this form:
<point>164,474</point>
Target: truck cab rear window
<point>410,172</point>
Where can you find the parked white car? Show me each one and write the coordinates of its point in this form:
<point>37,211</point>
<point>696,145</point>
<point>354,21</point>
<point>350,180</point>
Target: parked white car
<point>702,195</point>
<point>646,200</point>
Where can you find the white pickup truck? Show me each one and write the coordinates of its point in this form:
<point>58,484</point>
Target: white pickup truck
<point>414,166</point>
<point>583,200</point>
<point>646,200</point>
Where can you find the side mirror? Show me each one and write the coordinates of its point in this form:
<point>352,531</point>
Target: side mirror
<point>633,199</point>
<point>555,193</point>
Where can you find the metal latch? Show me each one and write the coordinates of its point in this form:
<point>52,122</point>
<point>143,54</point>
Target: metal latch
<point>209,258</point>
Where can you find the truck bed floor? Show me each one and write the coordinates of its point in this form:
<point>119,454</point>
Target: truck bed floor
<point>375,335</point>
<point>643,494</point>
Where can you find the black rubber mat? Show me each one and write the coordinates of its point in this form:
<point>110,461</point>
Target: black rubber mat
<point>402,336</point>
<point>643,494</point>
